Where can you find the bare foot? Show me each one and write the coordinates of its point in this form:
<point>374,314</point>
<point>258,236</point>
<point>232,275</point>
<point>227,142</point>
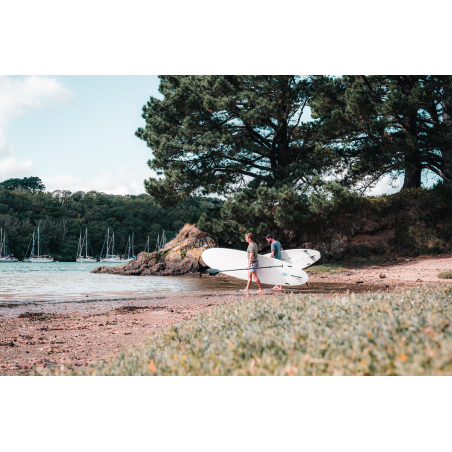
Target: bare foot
<point>243,290</point>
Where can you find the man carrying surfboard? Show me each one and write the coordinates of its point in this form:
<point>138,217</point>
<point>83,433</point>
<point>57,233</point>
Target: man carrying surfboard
<point>252,261</point>
<point>276,252</point>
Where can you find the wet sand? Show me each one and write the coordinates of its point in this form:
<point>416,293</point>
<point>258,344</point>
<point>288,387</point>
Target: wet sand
<point>43,333</point>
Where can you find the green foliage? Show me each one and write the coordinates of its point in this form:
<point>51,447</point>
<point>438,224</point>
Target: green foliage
<point>387,124</point>
<point>215,134</point>
<point>33,184</point>
<point>359,250</point>
<point>260,212</point>
<point>445,275</point>
<point>326,268</point>
<point>62,214</point>
<point>400,333</point>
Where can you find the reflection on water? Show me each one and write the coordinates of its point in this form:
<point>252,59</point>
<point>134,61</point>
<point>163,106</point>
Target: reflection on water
<point>73,281</point>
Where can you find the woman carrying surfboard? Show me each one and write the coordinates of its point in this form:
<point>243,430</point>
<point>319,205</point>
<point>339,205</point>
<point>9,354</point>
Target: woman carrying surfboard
<point>252,261</point>
<point>276,249</point>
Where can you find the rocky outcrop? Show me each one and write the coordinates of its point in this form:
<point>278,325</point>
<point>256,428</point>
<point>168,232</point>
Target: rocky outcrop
<point>362,233</point>
<point>181,256</point>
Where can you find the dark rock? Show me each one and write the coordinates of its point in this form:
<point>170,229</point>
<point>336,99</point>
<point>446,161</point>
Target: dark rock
<point>181,256</point>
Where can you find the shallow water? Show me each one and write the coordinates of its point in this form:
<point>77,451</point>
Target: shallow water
<point>69,281</point>
<point>64,281</point>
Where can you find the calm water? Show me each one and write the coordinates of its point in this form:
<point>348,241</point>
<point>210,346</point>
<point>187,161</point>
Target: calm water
<point>73,281</point>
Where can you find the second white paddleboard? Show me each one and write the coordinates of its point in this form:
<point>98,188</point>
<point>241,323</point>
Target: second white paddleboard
<point>299,258</point>
<point>270,271</point>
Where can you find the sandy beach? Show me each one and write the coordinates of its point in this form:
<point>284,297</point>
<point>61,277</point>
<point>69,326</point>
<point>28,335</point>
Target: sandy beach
<point>43,334</point>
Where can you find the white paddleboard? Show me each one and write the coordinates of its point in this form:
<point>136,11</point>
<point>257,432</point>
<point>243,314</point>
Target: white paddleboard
<point>299,258</point>
<point>270,271</point>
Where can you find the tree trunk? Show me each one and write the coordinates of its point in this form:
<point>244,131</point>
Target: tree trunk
<point>412,178</point>
<point>413,163</point>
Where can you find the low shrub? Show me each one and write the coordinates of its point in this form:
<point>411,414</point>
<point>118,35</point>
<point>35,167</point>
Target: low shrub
<point>326,268</point>
<point>445,275</point>
<point>408,332</point>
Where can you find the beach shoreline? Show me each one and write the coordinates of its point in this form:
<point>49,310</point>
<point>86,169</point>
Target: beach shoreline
<point>77,332</point>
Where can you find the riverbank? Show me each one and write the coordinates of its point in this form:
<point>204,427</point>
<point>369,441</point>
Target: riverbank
<point>77,333</point>
<point>401,272</point>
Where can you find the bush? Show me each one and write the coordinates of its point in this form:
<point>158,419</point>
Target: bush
<point>378,249</point>
<point>445,275</point>
<point>408,332</point>
<point>359,250</point>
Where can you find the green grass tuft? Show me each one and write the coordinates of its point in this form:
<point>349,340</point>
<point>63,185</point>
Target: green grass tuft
<point>326,268</point>
<point>445,275</point>
<point>400,333</point>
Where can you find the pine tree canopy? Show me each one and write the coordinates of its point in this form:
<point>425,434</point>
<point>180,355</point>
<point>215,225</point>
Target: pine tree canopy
<point>388,124</point>
<point>33,184</point>
<point>217,134</point>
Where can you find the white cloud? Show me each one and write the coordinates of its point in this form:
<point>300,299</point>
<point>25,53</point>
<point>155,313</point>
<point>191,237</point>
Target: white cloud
<point>5,147</point>
<point>17,96</point>
<point>11,167</point>
<point>125,181</point>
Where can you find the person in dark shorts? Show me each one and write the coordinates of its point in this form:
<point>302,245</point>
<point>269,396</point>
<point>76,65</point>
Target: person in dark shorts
<point>276,249</point>
<point>252,261</point>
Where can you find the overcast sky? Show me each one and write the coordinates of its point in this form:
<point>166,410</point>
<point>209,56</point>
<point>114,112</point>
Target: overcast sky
<point>77,132</point>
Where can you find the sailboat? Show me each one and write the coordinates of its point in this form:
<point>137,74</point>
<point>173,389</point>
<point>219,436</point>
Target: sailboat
<point>38,258</point>
<point>110,255</point>
<point>4,256</point>
<point>80,257</point>
<point>130,251</point>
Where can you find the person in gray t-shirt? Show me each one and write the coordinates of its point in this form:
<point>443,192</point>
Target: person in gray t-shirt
<point>276,249</point>
<point>252,261</point>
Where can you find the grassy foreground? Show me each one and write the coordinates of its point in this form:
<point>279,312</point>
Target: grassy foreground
<point>401,333</point>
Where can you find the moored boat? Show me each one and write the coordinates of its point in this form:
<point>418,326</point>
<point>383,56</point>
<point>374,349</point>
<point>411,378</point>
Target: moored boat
<point>81,245</point>
<point>5,257</point>
<point>110,255</point>
<point>38,258</point>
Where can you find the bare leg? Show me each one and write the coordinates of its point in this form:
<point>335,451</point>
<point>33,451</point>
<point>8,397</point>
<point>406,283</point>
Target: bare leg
<point>249,282</point>
<point>257,281</point>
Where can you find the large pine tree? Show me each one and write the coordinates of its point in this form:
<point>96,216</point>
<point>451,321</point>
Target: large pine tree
<point>216,134</point>
<point>384,124</point>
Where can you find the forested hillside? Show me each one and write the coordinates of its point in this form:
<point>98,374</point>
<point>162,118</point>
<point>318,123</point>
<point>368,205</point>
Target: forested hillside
<point>61,216</point>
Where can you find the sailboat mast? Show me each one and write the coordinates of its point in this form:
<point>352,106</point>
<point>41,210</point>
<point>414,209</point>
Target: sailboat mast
<point>86,253</point>
<point>38,243</point>
<point>33,247</point>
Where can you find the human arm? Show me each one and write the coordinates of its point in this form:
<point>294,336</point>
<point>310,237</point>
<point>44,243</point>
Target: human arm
<point>272,255</point>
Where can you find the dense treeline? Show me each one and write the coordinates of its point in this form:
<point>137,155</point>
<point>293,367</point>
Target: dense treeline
<point>61,216</point>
